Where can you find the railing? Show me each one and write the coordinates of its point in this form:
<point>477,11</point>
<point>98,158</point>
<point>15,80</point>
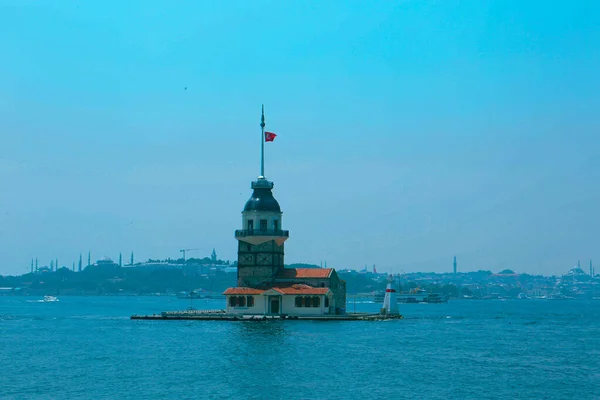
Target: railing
<point>258,232</point>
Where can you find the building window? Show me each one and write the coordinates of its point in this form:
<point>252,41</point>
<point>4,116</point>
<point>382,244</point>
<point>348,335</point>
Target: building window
<point>276,225</point>
<point>316,301</point>
<point>298,301</point>
<point>241,301</point>
<point>322,284</point>
<point>326,301</point>
<point>250,301</point>
<point>232,301</point>
<point>250,225</point>
<point>263,224</point>
<point>307,302</point>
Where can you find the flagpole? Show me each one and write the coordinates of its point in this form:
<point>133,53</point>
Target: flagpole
<point>262,143</point>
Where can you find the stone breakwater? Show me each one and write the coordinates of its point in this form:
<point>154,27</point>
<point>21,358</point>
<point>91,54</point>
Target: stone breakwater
<point>221,315</point>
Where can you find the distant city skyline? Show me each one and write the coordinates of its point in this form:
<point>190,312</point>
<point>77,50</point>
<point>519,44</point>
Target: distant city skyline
<point>407,132</point>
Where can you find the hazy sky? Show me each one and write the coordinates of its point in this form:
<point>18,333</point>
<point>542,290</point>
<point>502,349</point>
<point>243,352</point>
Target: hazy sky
<point>408,131</point>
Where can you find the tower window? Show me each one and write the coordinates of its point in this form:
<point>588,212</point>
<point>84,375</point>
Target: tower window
<point>276,225</point>
<point>250,225</point>
<point>263,224</point>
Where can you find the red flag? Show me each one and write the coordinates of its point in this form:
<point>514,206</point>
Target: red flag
<point>269,136</point>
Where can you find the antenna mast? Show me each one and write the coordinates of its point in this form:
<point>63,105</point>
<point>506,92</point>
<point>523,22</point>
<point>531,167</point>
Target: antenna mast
<point>262,143</point>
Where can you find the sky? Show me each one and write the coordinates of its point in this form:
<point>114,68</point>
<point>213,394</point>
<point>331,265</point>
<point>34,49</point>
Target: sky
<point>408,131</point>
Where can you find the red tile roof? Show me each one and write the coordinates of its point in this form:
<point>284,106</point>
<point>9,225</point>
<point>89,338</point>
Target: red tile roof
<point>301,289</point>
<point>242,290</point>
<point>293,289</point>
<point>305,273</point>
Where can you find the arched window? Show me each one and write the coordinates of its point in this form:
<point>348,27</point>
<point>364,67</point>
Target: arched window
<point>232,301</point>
<point>307,302</point>
<point>298,301</point>
<point>316,301</point>
<point>326,301</point>
<point>250,301</point>
<point>242,301</point>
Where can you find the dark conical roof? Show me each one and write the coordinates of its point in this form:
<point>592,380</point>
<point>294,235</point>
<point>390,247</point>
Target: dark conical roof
<point>262,200</point>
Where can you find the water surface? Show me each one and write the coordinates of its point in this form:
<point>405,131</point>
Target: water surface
<point>87,347</point>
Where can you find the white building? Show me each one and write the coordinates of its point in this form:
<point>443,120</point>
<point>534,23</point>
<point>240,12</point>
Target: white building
<point>298,299</point>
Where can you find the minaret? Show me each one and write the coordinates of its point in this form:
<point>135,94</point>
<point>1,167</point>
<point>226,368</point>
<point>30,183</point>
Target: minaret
<point>32,266</point>
<point>260,241</point>
<point>131,260</point>
<point>454,264</point>
<point>120,259</point>
<point>36,264</point>
<point>591,268</point>
<point>213,256</point>
<point>79,266</point>
<point>89,258</point>
<point>390,302</point>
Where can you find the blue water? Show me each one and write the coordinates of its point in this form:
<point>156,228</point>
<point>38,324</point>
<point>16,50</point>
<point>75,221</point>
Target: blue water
<point>88,348</point>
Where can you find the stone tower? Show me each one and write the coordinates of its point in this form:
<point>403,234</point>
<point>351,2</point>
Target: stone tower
<point>260,241</point>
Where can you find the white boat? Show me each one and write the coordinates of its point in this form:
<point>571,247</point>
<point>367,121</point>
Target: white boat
<point>50,299</point>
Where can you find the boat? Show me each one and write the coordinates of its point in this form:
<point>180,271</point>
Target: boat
<point>557,296</point>
<point>194,294</point>
<point>49,299</point>
<point>414,296</point>
<point>436,298</point>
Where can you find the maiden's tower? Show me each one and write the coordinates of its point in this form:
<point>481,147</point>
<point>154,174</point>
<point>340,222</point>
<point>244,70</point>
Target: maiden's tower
<point>264,285</point>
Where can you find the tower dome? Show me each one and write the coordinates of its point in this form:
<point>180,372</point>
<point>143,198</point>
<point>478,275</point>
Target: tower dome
<point>262,200</point>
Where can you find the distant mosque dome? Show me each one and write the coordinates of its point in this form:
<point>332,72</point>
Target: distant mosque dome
<point>105,261</point>
<point>507,272</point>
<point>262,200</point>
<point>576,271</point>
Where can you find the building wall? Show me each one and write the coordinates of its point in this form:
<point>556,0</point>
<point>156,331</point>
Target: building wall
<point>256,216</point>
<point>338,287</point>
<point>258,264</point>
<point>257,309</point>
<point>334,283</point>
<point>289,307</point>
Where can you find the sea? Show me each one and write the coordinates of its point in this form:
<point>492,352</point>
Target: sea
<point>88,348</point>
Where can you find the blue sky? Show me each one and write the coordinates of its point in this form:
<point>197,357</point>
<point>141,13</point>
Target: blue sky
<point>408,131</point>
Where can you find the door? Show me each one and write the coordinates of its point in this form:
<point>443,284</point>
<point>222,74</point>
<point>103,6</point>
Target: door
<point>274,305</point>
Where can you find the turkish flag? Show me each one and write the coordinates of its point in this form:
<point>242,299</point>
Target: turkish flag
<point>269,136</point>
